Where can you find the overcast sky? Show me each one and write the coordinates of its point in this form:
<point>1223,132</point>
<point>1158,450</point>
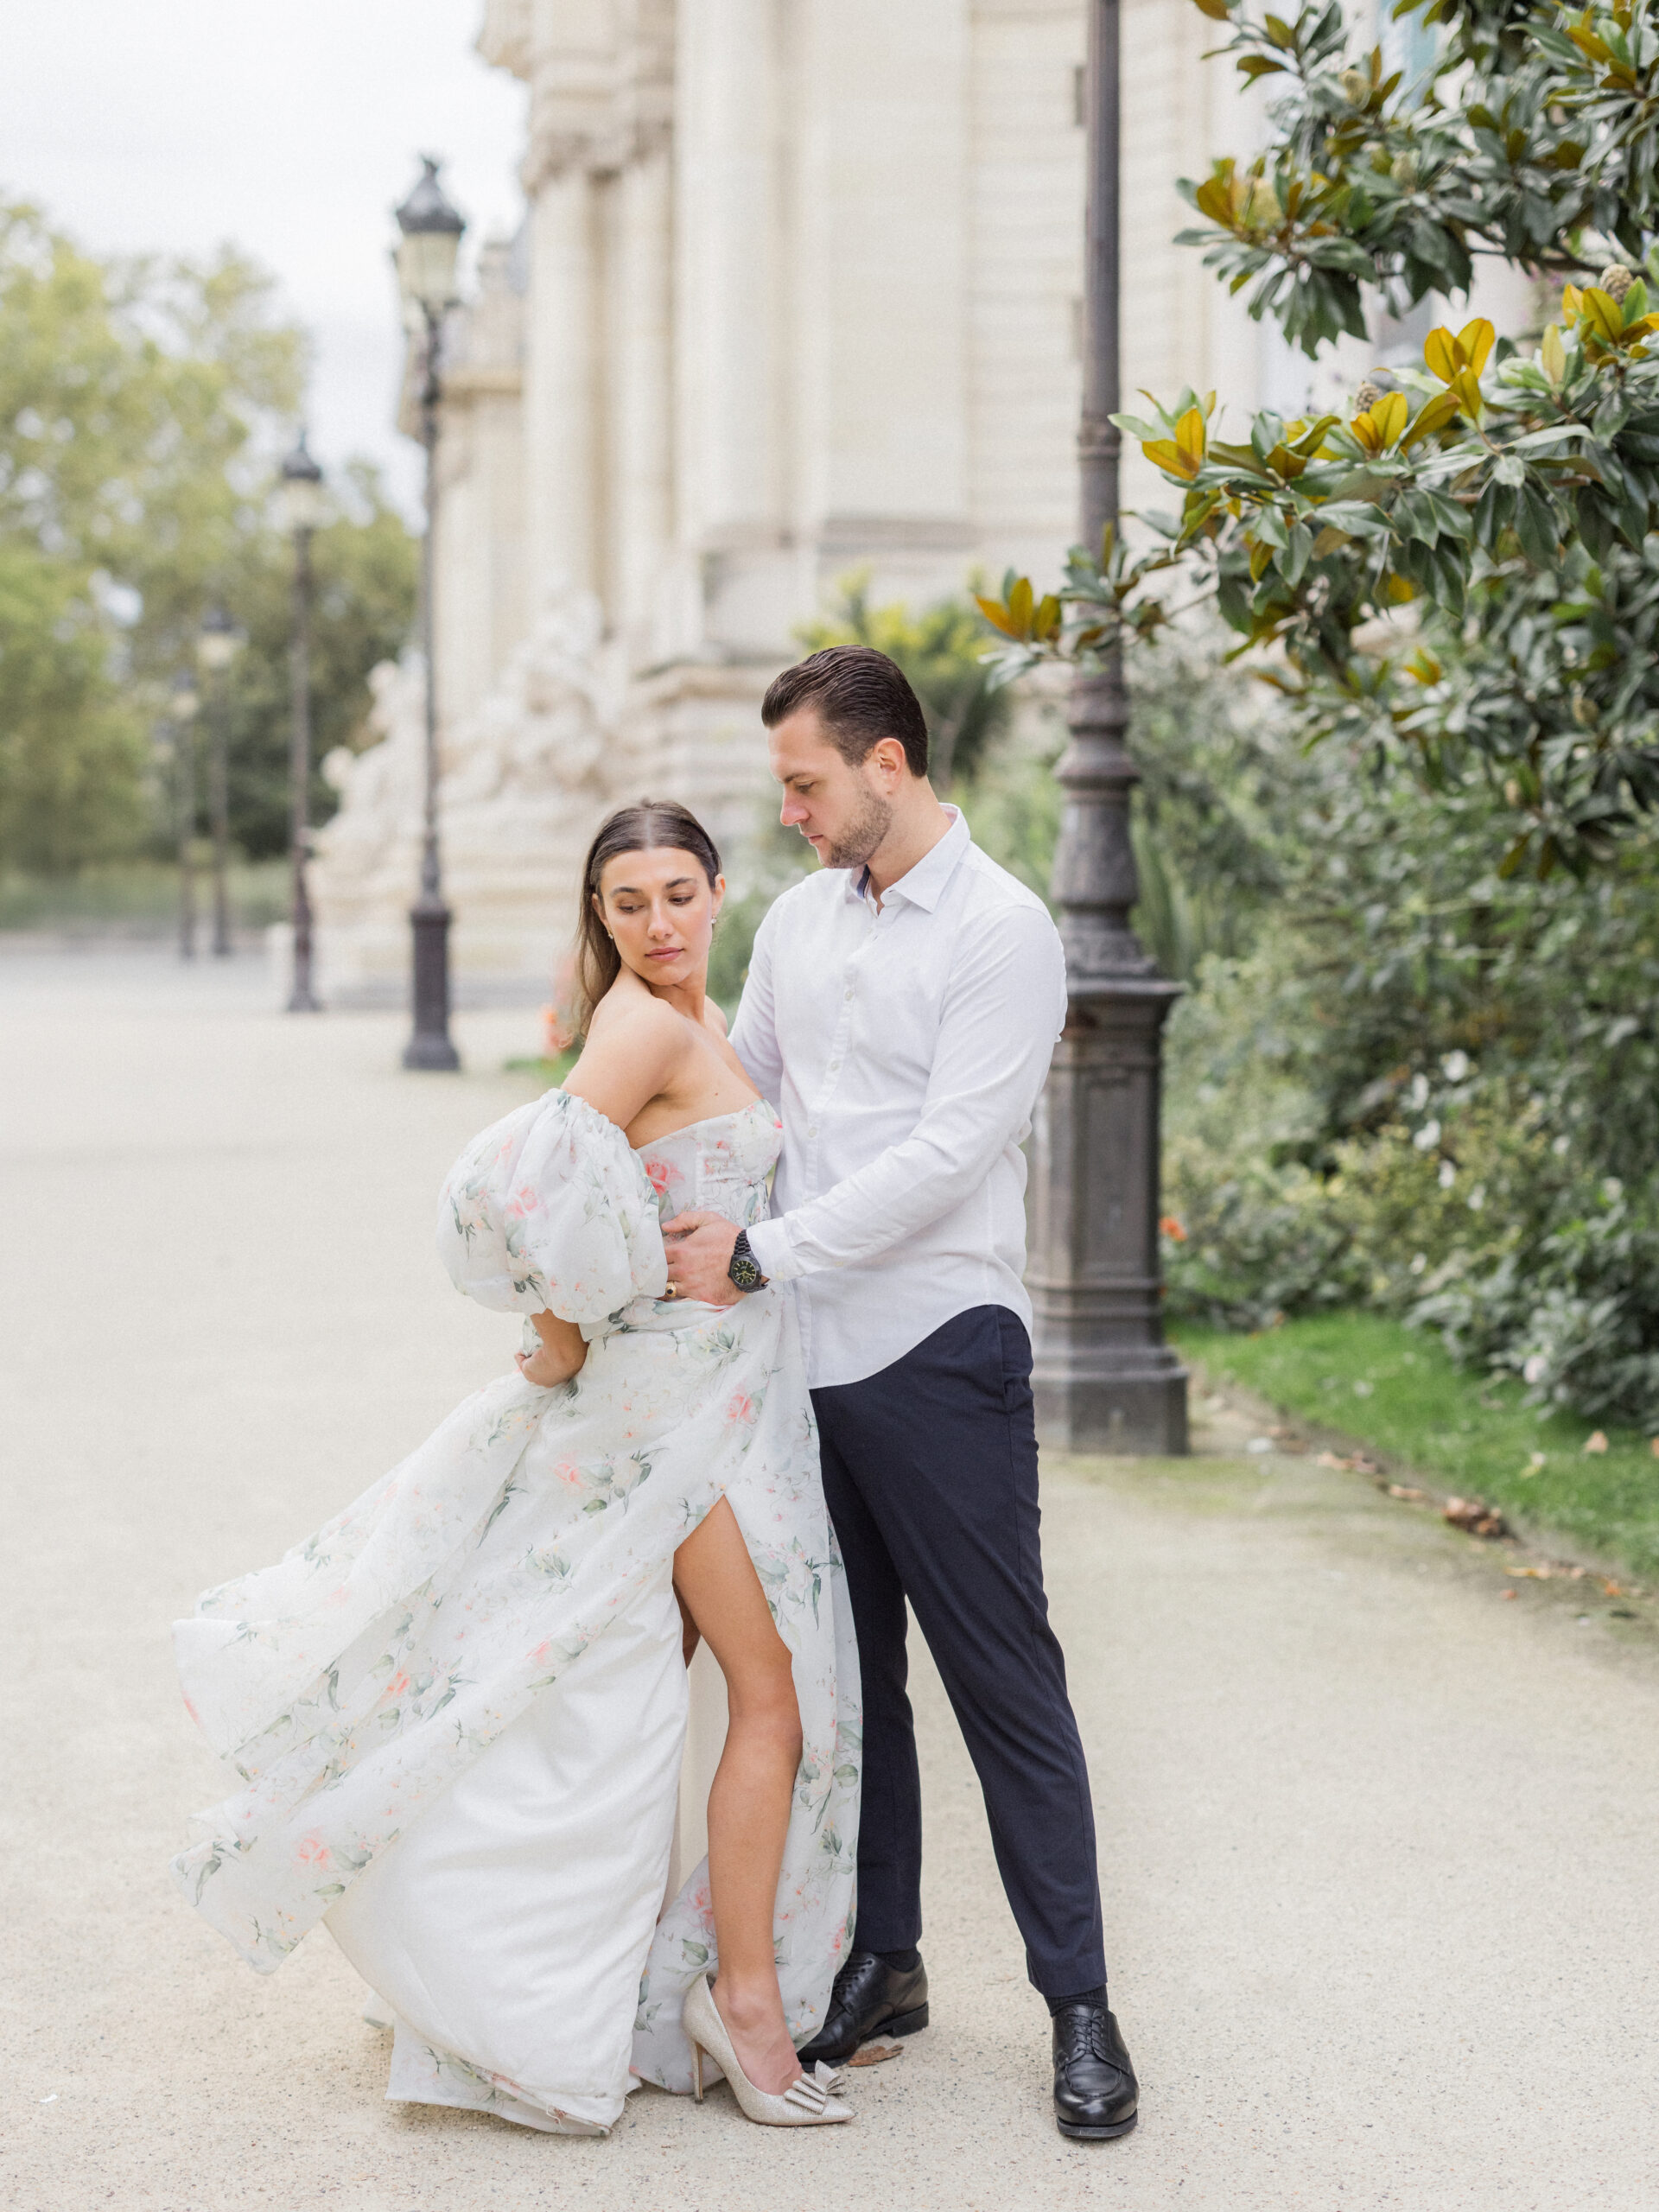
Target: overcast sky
<point>290,130</point>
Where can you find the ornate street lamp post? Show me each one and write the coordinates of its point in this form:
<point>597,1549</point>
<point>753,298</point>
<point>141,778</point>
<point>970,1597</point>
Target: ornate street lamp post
<point>181,707</point>
<point>1104,1379</point>
<point>218,643</point>
<point>427,248</point>
<point>300,510</point>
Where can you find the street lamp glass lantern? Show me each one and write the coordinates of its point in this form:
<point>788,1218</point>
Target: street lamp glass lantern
<point>302,505</point>
<point>218,642</point>
<point>429,244</point>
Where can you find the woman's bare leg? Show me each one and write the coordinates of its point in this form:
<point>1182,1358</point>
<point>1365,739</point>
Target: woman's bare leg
<point>748,1803</point>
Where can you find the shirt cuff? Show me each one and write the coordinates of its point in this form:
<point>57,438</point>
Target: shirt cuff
<point>769,1242</point>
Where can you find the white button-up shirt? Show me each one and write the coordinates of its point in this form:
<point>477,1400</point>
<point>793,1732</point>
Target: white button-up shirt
<point>905,1047</point>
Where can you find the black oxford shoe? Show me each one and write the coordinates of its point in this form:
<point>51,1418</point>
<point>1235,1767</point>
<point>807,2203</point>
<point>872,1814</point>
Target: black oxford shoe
<point>869,1997</point>
<point>1095,2090</point>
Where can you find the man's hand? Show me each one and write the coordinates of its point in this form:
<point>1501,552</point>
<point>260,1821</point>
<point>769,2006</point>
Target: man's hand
<point>699,1248</point>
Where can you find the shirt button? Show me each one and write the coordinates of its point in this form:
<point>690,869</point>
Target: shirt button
<point>835,1067</point>
<point>813,1130</point>
<point>848,993</point>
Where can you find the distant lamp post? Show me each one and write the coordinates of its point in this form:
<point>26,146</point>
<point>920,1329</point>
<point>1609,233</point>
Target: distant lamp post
<point>218,643</point>
<point>301,511</point>
<point>427,248</point>
<point>1103,1378</point>
<point>182,705</point>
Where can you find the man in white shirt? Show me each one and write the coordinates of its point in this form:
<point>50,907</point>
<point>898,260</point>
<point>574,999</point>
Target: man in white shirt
<point>900,1010</point>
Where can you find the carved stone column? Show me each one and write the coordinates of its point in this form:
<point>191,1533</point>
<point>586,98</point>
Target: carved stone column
<point>1104,1379</point>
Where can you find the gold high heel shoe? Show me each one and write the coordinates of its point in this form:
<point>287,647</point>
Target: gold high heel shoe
<point>806,2102</point>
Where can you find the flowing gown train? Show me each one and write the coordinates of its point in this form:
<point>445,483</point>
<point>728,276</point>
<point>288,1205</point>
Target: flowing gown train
<point>455,1715</point>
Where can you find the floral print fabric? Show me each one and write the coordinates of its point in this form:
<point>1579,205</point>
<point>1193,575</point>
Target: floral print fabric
<point>348,1685</point>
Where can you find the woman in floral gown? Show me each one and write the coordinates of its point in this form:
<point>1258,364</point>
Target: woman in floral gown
<point>455,1715</point>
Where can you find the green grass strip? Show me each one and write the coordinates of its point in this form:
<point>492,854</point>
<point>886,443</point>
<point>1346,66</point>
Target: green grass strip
<point>1396,1390</point>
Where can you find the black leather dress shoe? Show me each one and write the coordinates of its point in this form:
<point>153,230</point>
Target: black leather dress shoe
<point>870,1998</point>
<point>1095,2089</point>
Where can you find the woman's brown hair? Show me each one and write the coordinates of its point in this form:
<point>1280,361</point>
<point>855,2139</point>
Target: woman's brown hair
<point>655,825</point>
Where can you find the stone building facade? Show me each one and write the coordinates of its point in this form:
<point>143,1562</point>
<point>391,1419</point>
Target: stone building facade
<point>798,293</point>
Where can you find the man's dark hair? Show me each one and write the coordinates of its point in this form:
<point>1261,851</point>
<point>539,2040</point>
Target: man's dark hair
<point>860,696</point>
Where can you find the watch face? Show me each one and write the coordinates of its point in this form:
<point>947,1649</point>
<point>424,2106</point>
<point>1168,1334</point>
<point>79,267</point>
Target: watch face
<point>745,1273</point>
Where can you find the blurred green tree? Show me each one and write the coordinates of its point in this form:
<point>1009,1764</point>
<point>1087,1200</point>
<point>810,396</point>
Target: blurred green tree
<point>142,403</point>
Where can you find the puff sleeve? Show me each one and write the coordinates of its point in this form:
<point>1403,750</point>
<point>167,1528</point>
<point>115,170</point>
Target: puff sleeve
<point>551,1211</point>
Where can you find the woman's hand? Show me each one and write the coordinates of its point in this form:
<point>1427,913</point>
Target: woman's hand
<point>558,1356</point>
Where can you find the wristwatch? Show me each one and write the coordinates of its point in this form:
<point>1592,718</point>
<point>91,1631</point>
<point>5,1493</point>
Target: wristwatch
<point>744,1270</point>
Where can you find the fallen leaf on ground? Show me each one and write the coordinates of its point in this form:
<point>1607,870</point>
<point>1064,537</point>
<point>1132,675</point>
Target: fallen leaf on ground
<point>1596,1441</point>
<point>1506,1593</point>
<point>1612,1590</point>
<point>1469,1513</point>
<point>1532,1573</point>
<point>1404,1490</point>
<point>873,2054</point>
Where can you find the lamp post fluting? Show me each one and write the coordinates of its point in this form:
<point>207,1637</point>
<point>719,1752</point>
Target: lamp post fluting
<point>301,513</point>
<point>427,248</point>
<point>183,703</point>
<point>1104,1379</point>
<point>218,644</point>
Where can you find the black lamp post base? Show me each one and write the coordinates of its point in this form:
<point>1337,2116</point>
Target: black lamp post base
<point>302,1002</point>
<point>429,1047</point>
<point>1139,1408</point>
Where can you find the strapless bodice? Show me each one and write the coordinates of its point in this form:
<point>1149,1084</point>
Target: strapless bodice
<point>720,1164</point>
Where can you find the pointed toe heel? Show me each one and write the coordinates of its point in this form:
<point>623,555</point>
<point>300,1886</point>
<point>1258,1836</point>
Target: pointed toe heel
<point>809,2101</point>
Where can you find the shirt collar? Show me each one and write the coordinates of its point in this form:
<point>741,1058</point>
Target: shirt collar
<point>925,884</point>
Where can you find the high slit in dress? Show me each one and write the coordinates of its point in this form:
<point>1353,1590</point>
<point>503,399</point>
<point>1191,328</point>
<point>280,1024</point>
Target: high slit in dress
<point>456,1714</point>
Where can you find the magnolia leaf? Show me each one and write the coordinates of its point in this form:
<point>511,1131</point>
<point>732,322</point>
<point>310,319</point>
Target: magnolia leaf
<point>1216,10</point>
<point>1165,453</point>
<point>1046,620</point>
<point>1441,353</point>
<point>1603,314</point>
<point>1553,354</point>
<point>1390,414</point>
<point>1190,436</point>
<point>995,614</point>
<point>1475,343</point>
<point>1433,415</point>
<point>1468,395</point>
<point>1019,605</point>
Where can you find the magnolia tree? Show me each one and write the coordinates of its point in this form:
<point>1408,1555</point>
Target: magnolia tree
<point>1464,561</point>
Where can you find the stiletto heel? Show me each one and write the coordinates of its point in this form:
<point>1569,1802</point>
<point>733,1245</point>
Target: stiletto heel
<point>807,2102</point>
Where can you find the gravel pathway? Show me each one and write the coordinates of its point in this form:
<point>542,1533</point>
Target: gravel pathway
<point>1377,1822</point>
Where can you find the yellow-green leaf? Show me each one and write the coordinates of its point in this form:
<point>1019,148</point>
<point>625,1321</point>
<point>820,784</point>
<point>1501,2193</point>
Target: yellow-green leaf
<point>1475,343</point>
<point>1046,620</point>
<point>1553,354</point>
<point>1433,415</point>
<point>994,614</point>
<point>1441,353</point>
<point>1469,397</point>
<point>1603,313</point>
<point>1190,436</point>
<point>1020,605</point>
<point>1389,415</point>
<point>1165,453</point>
<point>1216,10</point>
